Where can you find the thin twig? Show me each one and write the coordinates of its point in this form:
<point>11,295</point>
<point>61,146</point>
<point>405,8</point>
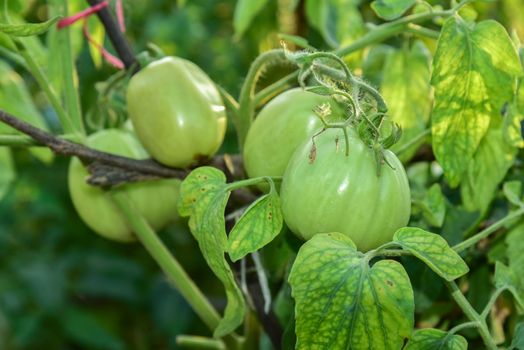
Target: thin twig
<point>68,148</point>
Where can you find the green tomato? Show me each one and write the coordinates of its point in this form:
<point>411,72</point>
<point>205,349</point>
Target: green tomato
<point>332,192</point>
<point>280,127</point>
<point>155,200</point>
<point>177,112</point>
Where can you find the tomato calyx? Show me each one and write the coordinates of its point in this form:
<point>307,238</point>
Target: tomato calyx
<point>365,109</point>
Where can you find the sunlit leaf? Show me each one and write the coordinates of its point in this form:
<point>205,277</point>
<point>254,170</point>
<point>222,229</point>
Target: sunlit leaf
<point>433,250</point>
<point>473,73</point>
<point>435,339</point>
<point>341,300</point>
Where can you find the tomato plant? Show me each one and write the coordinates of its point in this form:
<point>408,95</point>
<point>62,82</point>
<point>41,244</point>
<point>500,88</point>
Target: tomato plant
<point>335,192</point>
<point>155,200</point>
<point>389,140</point>
<point>177,112</point>
<point>280,127</point>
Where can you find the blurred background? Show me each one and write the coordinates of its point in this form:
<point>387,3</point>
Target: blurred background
<point>62,286</point>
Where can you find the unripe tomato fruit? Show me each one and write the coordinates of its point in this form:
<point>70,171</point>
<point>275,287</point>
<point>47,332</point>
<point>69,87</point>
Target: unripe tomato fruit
<point>155,200</point>
<point>280,127</point>
<point>338,193</point>
<point>177,112</point>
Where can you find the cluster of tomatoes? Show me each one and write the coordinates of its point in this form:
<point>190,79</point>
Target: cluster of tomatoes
<point>179,118</point>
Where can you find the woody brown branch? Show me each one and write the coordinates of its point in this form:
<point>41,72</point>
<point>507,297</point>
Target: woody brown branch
<point>110,169</point>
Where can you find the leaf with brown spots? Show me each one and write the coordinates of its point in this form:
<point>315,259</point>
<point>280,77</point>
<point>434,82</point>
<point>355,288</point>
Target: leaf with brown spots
<point>259,225</point>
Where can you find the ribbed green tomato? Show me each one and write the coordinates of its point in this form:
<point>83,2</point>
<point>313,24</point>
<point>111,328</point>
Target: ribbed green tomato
<point>339,193</point>
<point>280,127</point>
<point>177,112</point>
<point>155,200</point>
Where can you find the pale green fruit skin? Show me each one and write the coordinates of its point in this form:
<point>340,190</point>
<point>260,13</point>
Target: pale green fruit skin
<point>280,127</point>
<point>177,112</point>
<point>155,200</point>
<point>339,193</point>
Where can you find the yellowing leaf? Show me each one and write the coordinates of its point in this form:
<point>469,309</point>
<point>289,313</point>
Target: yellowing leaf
<point>341,301</point>
<point>473,73</point>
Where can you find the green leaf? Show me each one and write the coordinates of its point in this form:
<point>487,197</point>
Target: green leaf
<point>433,250</point>
<point>15,99</point>
<point>203,196</point>
<point>513,190</point>
<point>515,246</point>
<point>406,89</point>
<point>435,339</point>
<point>518,337</point>
<point>7,170</point>
<point>338,21</point>
<point>196,184</point>
<point>514,114</point>
<point>473,73</point>
<point>245,12</point>
<point>433,206</point>
<point>507,278</point>
<point>258,226</point>
<point>486,170</point>
<point>512,120</point>
<point>27,29</point>
<point>343,303</point>
<point>391,9</point>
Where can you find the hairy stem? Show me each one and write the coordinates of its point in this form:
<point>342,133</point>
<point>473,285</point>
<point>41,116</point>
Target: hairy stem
<point>171,267</point>
<point>491,302</point>
<point>247,107</point>
<point>472,315</point>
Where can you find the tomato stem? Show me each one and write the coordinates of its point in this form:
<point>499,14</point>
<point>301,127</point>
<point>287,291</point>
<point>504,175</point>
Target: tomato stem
<point>172,268</point>
<point>247,107</point>
<point>473,315</point>
<point>470,242</point>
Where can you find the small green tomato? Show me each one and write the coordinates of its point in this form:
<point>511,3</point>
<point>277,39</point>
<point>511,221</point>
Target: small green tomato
<point>155,200</point>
